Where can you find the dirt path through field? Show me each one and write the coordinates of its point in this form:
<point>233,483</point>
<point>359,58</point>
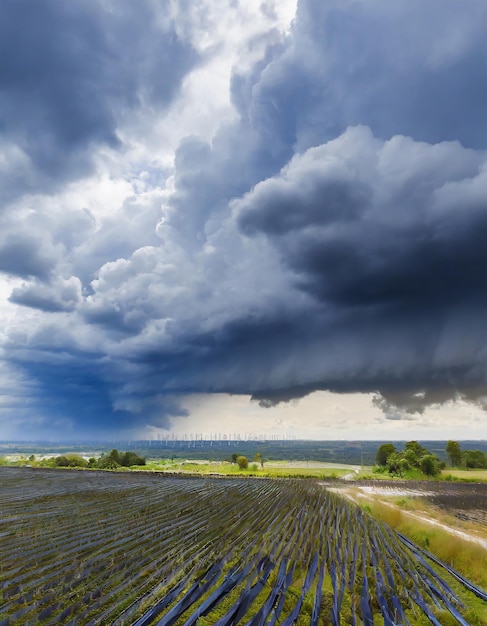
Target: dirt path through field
<point>356,494</point>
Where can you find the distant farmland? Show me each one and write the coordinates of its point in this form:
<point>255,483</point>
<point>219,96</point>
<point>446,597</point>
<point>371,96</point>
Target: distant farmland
<point>102,548</point>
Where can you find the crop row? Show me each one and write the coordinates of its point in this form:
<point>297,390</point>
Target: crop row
<point>141,549</point>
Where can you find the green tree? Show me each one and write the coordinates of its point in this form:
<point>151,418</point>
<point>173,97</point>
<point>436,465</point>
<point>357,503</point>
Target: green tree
<point>404,466</point>
<point>429,465</point>
<point>475,459</point>
<point>394,461</point>
<point>234,457</point>
<point>127,459</point>
<point>115,456</point>
<point>454,453</point>
<point>75,460</point>
<point>106,462</point>
<point>416,448</point>
<point>258,459</point>
<point>414,452</point>
<point>384,452</point>
<point>61,461</point>
<point>242,462</point>
<point>411,457</point>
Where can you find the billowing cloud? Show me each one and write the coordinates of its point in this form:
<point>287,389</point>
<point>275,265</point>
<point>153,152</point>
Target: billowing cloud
<point>25,255</point>
<point>322,226</point>
<point>63,295</point>
<point>402,69</point>
<point>361,221</point>
<point>71,75</point>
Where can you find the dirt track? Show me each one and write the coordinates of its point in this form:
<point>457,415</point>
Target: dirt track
<point>358,493</point>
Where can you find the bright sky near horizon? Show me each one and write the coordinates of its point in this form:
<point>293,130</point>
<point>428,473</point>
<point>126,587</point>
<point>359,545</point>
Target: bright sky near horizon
<point>253,216</point>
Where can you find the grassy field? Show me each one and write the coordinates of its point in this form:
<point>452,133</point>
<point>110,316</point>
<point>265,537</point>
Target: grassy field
<point>466,474</point>
<point>462,543</point>
<point>468,558</point>
<point>301,469</point>
<point>271,469</point>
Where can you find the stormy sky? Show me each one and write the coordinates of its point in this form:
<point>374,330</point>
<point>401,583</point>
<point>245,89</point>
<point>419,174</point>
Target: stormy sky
<point>243,217</point>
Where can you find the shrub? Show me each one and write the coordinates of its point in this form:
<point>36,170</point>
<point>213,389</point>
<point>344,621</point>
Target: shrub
<point>394,463</point>
<point>429,465</point>
<point>116,459</point>
<point>242,462</point>
<point>106,462</point>
<point>128,459</point>
<point>61,461</point>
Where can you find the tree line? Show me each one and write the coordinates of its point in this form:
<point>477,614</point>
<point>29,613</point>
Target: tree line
<point>112,460</point>
<point>472,459</point>
<point>416,458</point>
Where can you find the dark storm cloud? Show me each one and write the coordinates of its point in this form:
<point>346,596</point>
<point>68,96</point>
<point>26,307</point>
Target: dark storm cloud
<point>406,254</point>
<point>399,403</point>
<point>72,394</point>
<point>413,358</point>
<point>387,237</point>
<point>71,73</point>
<point>332,236</point>
<point>81,391</point>
<point>367,223</point>
<point>402,69</point>
<point>408,67</point>
<point>326,193</point>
